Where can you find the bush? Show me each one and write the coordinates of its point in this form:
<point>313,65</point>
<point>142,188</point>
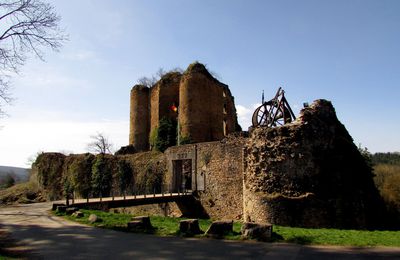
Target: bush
<point>387,180</point>
<point>165,135</point>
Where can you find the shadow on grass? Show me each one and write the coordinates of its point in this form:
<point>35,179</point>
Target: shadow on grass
<point>276,237</point>
<point>302,240</point>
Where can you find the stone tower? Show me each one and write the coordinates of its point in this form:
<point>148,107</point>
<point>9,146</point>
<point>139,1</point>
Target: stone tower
<point>139,118</point>
<point>206,109</point>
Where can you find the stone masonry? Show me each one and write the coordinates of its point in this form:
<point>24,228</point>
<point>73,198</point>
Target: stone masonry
<point>309,173</point>
<point>206,109</point>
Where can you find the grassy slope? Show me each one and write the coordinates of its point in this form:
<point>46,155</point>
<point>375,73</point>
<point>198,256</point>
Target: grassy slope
<point>27,192</point>
<point>166,226</point>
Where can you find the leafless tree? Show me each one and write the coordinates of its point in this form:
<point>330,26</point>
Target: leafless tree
<point>151,81</point>
<point>27,27</point>
<point>148,82</point>
<point>100,144</point>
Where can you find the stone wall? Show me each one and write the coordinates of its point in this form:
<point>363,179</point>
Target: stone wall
<point>52,169</point>
<point>206,107</point>
<point>207,111</point>
<point>217,177</point>
<point>309,173</point>
<point>163,94</point>
<point>139,118</point>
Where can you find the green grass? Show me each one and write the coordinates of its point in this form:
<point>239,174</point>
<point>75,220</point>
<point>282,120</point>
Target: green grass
<point>163,226</point>
<point>322,236</point>
<point>168,226</point>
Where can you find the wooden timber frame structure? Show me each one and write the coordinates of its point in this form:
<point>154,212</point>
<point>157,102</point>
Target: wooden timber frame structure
<point>275,112</point>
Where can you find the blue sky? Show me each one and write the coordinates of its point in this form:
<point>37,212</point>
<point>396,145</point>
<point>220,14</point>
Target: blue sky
<point>343,51</point>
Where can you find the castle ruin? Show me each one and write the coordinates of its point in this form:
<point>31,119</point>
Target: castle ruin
<point>205,109</point>
<point>305,173</point>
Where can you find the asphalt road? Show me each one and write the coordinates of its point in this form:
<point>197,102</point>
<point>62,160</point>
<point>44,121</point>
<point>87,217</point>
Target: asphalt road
<point>49,237</point>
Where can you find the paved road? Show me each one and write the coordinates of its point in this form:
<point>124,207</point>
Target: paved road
<point>50,237</point>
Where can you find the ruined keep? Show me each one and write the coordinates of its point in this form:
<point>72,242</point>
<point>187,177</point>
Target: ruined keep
<point>206,109</point>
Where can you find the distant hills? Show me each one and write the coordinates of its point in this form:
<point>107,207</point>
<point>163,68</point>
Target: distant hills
<point>19,174</point>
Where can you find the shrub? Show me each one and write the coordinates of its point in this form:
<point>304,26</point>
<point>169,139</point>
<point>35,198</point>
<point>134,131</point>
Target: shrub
<point>166,135</point>
<point>101,177</point>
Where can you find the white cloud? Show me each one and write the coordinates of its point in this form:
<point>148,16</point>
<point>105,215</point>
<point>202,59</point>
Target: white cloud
<point>245,114</point>
<point>22,139</point>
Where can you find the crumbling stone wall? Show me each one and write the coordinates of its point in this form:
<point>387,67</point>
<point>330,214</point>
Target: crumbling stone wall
<point>48,168</point>
<point>207,111</point>
<point>308,173</point>
<point>217,175</point>
<point>52,169</point>
<point>206,107</point>
<point>162,95</point>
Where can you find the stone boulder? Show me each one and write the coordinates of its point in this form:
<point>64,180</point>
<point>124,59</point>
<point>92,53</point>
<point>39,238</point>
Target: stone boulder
<point>93,218</point>
<point>219,228</point>
<point>190,227</point>
<point>77,214</point>
<point>262,232</point>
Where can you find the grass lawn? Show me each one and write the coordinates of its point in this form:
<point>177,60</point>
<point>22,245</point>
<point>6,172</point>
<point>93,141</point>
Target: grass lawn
<point>168,226</point>
<point>163,226</point>
<point>336,237</point>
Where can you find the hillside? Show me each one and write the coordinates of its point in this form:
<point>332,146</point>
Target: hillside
<point>19,174</point>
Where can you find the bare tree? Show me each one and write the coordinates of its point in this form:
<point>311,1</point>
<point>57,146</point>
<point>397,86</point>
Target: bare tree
<point>148,82</point>
<point>27,27</point>
<point>100,144</point>
<point>151,81</point>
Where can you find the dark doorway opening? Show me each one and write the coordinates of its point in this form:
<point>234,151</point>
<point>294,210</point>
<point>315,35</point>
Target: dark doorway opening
<point>182,175</point>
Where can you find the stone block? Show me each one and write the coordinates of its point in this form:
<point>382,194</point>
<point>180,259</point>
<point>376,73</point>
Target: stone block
<point>61,209</point>
<point>262,232</point>
<point>189,227</point>
<point>219,228</point>
<point>55,205</point>
<point>140,223</point>
<point>145,220</point>
<point>94,218</point>
<point>136,225</point>
<point>71,210</point>
<point>77,214</point>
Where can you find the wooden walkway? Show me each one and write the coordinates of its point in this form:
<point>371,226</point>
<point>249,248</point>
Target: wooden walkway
<point>128,201</point>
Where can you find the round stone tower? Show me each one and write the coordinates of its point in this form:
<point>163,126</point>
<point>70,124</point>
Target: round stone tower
<point>139,118</point>
<point>205,112</point>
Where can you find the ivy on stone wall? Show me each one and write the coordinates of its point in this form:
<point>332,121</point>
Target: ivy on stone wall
<point>48,168</point>
<point>79,170</point>
<point>124,175</point>
<point>164,136</point>
<point>101,177</point>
